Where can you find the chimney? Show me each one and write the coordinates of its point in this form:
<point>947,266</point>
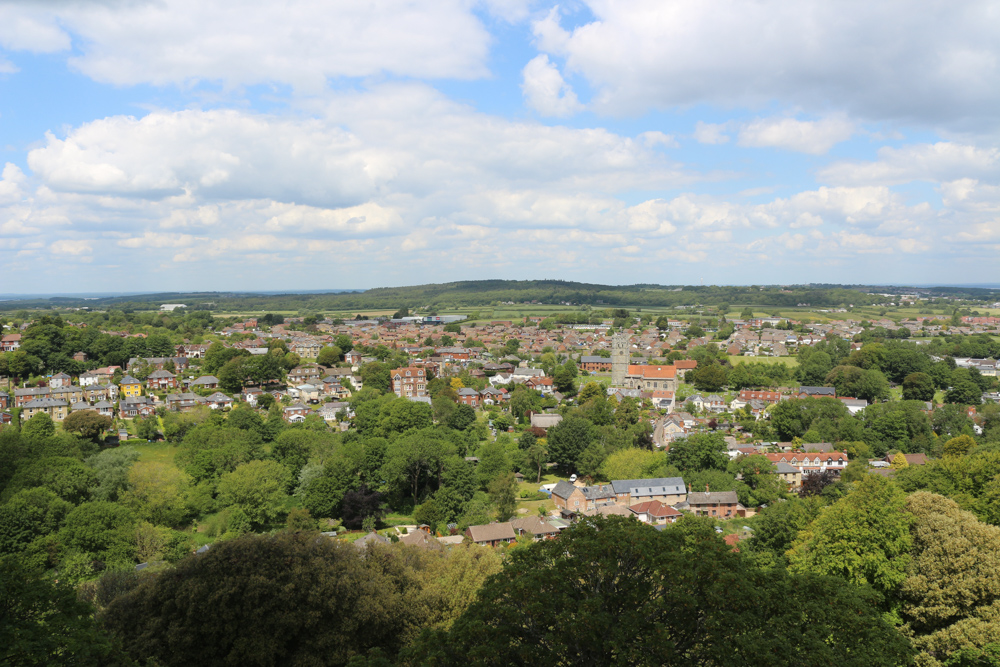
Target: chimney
<point>689,487</point>
<point>706,488</point>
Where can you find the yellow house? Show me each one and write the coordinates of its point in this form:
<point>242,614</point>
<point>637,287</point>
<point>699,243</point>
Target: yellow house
<point>130,387</point>
<point>54,407</point>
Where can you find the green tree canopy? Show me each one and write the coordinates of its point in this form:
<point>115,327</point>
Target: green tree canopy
<point>101,530</point>
<point>314,602</point>
<point>864,538</point>
<point>88,423</point>
<point>568,439</point>
<point>616,592</point>
<point>918,387</point>
<point>257,488</point>
<point>700,451</point>
<point>43,623</point>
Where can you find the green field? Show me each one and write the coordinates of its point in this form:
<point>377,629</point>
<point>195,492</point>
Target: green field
<point>159,452</point>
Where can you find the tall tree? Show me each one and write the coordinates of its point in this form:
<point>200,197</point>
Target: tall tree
<point>918,387</point>
<point>630,595</point>
<point>315,601</point>
<point>863,537</point>
<point>44,623</point>
<point>258,488</point>
<point>88,423</point>
<point>701,451</point>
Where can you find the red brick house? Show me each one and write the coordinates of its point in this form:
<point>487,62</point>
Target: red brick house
<point>595,364</point>
<point>580,498</point>
<point>10,342</point>
<point>468,396</point>
<point>410,381</point>
<point>766,396</point>
<point>721,504</point>
<point>159,380</point>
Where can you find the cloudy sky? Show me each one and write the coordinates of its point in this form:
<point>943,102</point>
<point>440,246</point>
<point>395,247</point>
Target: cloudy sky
<point>309,144</point>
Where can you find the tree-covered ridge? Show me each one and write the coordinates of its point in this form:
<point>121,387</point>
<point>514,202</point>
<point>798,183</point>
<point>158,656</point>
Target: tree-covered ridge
<point>476,293</point>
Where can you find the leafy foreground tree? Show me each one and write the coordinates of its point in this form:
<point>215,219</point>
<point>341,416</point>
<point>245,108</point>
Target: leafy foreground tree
<point>951,596</point>
<point>42,623</point>
<point>864,537</point>
<point>289,599</point>
<point>612,591</point>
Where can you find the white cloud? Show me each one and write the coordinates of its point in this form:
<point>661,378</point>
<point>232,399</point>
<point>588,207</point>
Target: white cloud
<point>299,42</point>
<point>939,65</point>
<point>942,161</point>
<point>73,248</point>
<point>12,182</point>
<point>711,133</point>
<point>215,153</point>
<point>815,137</point>
<point>399,141</point>
<point>158,240</point>
<point>31,27</point>
<point>654,138</point>
<point>366,221</point>
<point>545,91</point>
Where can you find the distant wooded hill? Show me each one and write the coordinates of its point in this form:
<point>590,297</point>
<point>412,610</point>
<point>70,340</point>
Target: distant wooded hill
<point>478,293</point>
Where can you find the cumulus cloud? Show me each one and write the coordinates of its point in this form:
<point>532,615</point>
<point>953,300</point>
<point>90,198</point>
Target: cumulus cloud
<point>422,143</point>
<point>73,248</point>
<point>814,137</point>
<point>226,154</point>
<point>711,133</point>
<point>545,91</point>
<point>942,161</point>
<point>31,27</point>
<point>939,66</point>
<point>299,42</point>
<point>398,180</point>
<point>12,182</point>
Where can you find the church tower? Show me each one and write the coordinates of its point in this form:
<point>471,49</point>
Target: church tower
<point>619,359</point>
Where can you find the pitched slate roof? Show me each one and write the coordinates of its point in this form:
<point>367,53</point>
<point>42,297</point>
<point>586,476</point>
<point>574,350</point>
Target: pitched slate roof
<point>599,492</point>
<point>713,498</point>
<point>563,489</point>
<point>818,391</point>
<point>659,486</point>
<point>46,403</point>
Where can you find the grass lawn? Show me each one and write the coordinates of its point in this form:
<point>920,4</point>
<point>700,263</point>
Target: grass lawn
<point>398,519</point>
<point>531,486</point>
<point>160,452</point>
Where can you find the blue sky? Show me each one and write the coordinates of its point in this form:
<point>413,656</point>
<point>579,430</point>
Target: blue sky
<point>183,145</point>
